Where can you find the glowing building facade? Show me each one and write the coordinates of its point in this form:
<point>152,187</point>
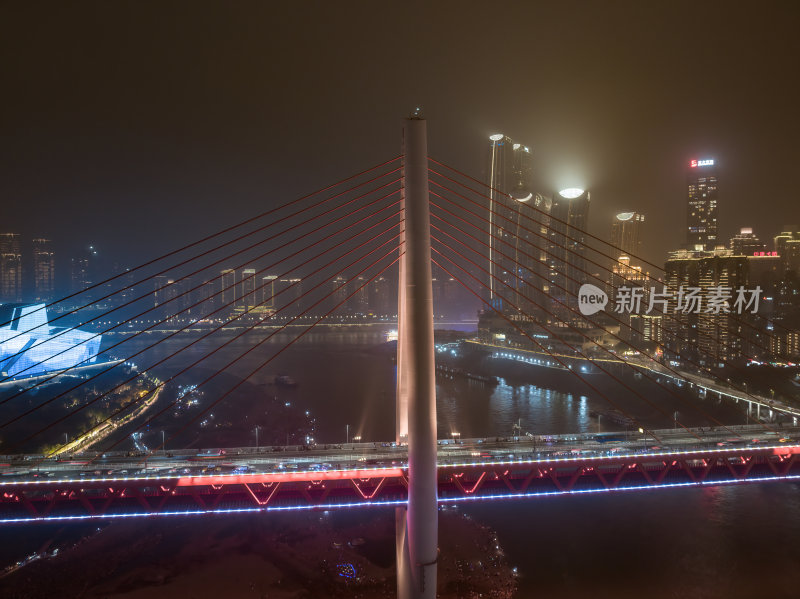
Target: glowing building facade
<point>626,233</point>
<point>30,347</point>
<point>10,267</point>
<point>43,270</point>
<point>518,219</point>
<point>567,254</point>
<point>701,209</point>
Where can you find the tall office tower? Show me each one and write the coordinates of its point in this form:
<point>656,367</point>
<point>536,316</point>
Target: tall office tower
<point>569,219</point>
<point>701,212</point>
<point>270,300</point>
<point>509,174</point>
<point>43,270</point>
<point>626,233</point>
<point>10,268</point>
<point>745,243</point>
<point>247,294</point>
<point>227,289</point>
<point>82,269</point>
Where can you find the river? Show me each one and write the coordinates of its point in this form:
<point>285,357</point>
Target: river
<point>716,542</point>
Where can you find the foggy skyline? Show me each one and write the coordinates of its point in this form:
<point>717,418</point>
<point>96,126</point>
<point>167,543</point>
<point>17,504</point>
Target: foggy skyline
<point>140,128</point>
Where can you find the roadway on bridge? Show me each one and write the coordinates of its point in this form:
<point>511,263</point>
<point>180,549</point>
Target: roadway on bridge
<point>360,456</point>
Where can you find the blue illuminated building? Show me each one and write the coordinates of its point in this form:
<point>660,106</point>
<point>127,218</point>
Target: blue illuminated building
<point>29,346</point>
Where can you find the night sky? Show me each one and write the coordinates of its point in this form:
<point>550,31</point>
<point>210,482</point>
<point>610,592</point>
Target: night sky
<point>140,126</point>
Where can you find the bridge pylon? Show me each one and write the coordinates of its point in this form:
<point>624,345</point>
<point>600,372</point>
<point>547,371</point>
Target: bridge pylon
<point>418,523</point>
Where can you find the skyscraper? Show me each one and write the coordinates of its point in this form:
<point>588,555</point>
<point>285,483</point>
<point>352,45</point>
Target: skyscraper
<point>509,174</point>
<point>247,296</point>
<point>269,292</point>
<point>227,289</point>
<point>567,254</point>
<point>10,268</point>
<point>701,213</point>
<point>626,233</point>
<point>626,237</point>
<point>43,270</point>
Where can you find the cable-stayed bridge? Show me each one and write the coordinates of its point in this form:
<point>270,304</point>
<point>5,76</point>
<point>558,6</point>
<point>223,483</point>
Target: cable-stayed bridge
<point>376,234</point>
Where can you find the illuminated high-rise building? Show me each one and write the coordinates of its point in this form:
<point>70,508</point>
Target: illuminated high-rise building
<point>10,268</point>
<point>626,233</point>
<point>516,217</point>
<point>626,237</point>
<point>43,270</point>
<point>569,219</point>
<point>247,294</point>
<point>269,294</point>
<point>701,213</point>
<point>227,289</point>
<point>696,330</point>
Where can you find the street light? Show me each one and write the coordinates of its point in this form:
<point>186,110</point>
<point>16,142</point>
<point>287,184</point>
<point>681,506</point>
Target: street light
<point>163,442</point>
<point>347,434</point>
<point>644,439</point>
<point>257,427</point>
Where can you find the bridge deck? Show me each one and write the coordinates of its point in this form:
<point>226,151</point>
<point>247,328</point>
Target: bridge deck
<point>247,480</point>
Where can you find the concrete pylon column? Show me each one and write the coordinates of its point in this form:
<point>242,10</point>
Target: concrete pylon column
<point>417,527</point>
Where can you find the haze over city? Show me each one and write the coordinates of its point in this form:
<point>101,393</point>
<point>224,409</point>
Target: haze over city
<point>415,300</point>
<point>187,117</point>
